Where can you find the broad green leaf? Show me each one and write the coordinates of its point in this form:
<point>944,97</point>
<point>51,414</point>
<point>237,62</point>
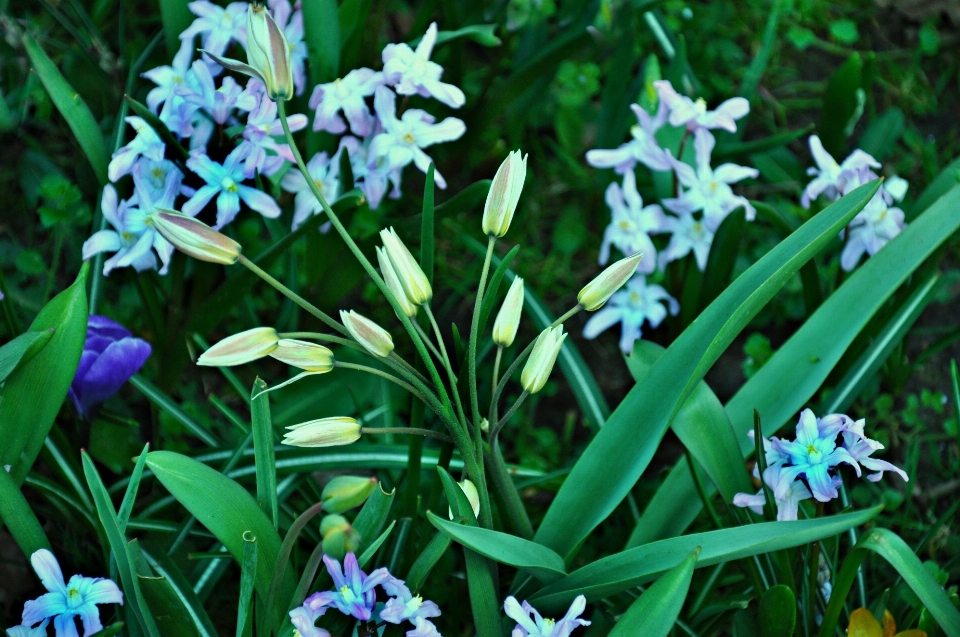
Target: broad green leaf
<point>540,561</point>
<point>321,32</point>
<point>72,107</point>
<point>883,133</point>
<point>781,388</point>
<point>901,557</point>
<point>633,567</point>
<point>622,449</point>
<point>263,442</point>
<point>778,612</point>
<point>167,404</point>
<point>16,513</point>
<point>176,17</point>
<point>226,509</point>
<point>161,564</point>
<point>163,603</point>
<point>941,185</point>
<point>840,105</point>
<point>133,599</point>
<point>21,350</point>
<point>656,611</point>
<point>702,426</point>
<point>373,516</point>
<point>35,390</point>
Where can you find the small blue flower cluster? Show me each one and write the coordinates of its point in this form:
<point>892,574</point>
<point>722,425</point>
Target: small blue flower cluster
<point>189,102</point>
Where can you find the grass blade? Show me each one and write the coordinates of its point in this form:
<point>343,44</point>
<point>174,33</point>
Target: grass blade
<point>264,459</point>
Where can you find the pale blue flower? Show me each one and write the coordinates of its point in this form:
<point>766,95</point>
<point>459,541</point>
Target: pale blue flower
<point>169,79</point>
<point>412,73</point>
<point>832,179</point>
<point>694,114</point>
<point>632,223</point>
<point>304,620</point>
<point>870,230</point>
<point>27,631</point>
<point>77,598</point>
<point>643,148</point>
<point>788,504</point>
<point>708,189</point>
<point>346,94</point>
<point>218,102</point>
<point>688,234</point>
<point>639,303</point>
<point>531,624</point>
<point>263,153</point>
<point>224,182</point>
<point>403,140</point>
<point>861,448</point>
<point>353,590</point>
<point>217,25</point>
<point>423,628</point>
<point>404,605</point>
<point>146,143</point>
<point>325,173</point>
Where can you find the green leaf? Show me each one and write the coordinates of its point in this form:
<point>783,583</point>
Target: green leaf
<point>656,611</point>
<point>371,550</point>
<point>163,603</point>
<point>901,557</point>
<point>369,522</point>
<point>483,597</point>
<point>622,449</point>
<point>883,133</point>
<point>799,368</point>
<point>482,34</point>
<point>225,509</point>
<point>35,390</point>
<point>778,612</point>
<point>321,32</point>
<point>161,563</point>
<point>941,185</point>
<point>741,149</point>
<point>425,562</point>
<point>176,17</point>
<point>21,350</point>
<point>130,497</point>
<point>167,404</point>
<point>633,567</point>
<point>758,66</point>
<point>723,256</point>
<point>840,105</point>
<point>118,545</point>
<point>263,450</point>
<point>702,426</point>
<point>540,561</point>
<point>72,107</point>
<point>466,200</point>
<point>16,513</point>
<point>427,233</point>
<point>248,576</point>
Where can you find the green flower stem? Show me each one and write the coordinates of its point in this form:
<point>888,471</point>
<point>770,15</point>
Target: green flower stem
<point>516,363</point>
<point>290,294</point>
<point>813,564</point>
<point>446,363</point>
<point>427,398</point>
<point>364,262</point>
<point>495,429</point>
<point>408,431</point>
<point>427,341</point>
<point>472,347</point>
<point>326,338</point>
<point>514,511</point>
<point>496,368</point>
<point>396,361</point>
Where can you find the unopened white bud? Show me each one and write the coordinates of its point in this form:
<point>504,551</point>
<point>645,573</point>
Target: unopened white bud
<point>473,497</point>
<point>195,238</point>
<point>508,318</point>
<point>309,357</point>
<point>595,294</point>
<point>542,359</point>
<point>374,338</point>
<point>325,432</point>
<point>411,276</point>
<point>393,283</point>
<point>241,348</point>
<point>504,194</point>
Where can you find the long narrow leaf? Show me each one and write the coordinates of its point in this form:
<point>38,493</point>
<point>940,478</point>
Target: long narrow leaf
<point>655,612</point>
<point>20,519</point>
<point>164,402</point>
<point>263,450</point>
<point>22,349</point>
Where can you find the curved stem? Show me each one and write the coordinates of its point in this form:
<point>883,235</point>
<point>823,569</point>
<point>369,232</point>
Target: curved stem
<point>472,346</point>
<point>361,258</point>
<point>290,294</point>
<point>413,431</point>
<point>495,429</point>
<point>428,341</point>
<point>447,365</point>
<point>326,338</point>
<point>397,362</point>
<point>382,374</point>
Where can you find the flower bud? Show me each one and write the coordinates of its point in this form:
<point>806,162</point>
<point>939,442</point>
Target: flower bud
<point>374,338</point>
<point>508,318</point>
<point>325,432</point>
<point>412,278</point>
<point>346,492</point>
<point>469,490</point>
<point>269,52</point>
<point>195,238</point>
<point>241,348</point>
<point>339,537</point>
<point>595,294</point>
<point>504,194</point>
<point>393,283</point>
<point>542,359</point>
<point>309,357</point>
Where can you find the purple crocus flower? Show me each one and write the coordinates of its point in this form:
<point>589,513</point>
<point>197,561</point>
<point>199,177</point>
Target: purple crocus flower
<point>353,592</point>
<point>110,356</point>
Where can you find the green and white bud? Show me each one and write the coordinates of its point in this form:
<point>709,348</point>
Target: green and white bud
<point>309,357</point>
<point>595,294</point>
<point>194,238</point>
<point>542,359</point>
<point>393,283</point>
<point>371,336</point>
<point>339,537</point>
<point>268,54</point>
<point>411,276</point>
<point>324,432</point>
<point>508,318</point>
<point>504,194</point>
<point>241,348</point>
<point>346,492</point>
<point>473,497</point>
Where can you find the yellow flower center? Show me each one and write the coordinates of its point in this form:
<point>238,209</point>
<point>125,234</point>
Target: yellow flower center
<point>126,236</point>
<point>228,185</point>
<point>408,138</point>
<point>626,225</point>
